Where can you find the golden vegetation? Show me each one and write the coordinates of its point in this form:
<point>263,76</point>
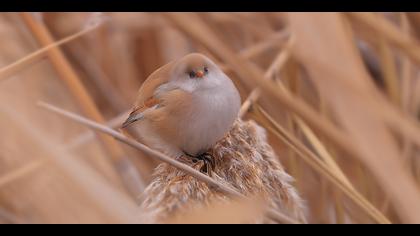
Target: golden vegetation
<point>337,92</point>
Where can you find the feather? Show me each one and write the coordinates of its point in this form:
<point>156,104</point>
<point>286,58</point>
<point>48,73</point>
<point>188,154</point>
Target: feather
<point>137,113</point>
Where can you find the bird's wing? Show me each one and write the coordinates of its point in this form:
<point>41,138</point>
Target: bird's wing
<point>146,98</point>
<point>137,113</point>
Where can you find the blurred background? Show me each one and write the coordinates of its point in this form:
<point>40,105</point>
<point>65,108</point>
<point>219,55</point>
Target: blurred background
<point>345,86</point>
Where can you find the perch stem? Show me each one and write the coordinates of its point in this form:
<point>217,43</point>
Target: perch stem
<point>89,135</point>
<point>37,164</point>
<point>279,217</point>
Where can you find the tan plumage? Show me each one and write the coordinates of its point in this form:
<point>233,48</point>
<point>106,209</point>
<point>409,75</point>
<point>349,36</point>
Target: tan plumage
<point>185,107</point>
<point>148,88</point>
<point>244,161</point>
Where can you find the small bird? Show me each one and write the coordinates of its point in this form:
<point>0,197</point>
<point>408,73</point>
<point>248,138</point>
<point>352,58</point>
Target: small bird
<point>185,107</point>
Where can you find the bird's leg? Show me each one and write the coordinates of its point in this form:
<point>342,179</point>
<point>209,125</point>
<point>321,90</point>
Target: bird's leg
<point>208,160</point>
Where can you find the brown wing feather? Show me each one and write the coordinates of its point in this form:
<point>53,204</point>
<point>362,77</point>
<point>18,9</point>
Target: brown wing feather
<point>146,104</point>
<point>157,78</point>
<point>135,115</point>
<point>145,98</point>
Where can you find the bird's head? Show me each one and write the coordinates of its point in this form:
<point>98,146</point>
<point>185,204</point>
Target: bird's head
<point>196,71</point>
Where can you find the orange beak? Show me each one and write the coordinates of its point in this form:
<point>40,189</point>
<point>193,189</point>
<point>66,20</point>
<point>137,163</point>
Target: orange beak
<point>199,74</point>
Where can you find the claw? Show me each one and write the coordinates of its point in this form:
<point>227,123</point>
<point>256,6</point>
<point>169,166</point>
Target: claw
<point>209,163</point>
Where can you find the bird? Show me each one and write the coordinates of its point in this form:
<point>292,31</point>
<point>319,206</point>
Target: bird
<point>185,107</point>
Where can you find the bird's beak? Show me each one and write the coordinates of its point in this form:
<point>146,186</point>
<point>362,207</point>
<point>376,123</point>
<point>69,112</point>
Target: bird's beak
<point>199,74</point>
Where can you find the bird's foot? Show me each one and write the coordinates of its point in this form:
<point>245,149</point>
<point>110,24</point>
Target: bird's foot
<point>208,160</point>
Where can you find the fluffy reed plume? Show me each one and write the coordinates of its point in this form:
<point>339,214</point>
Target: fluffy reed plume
<point>337,93</point>
<point>243,160</point>
<point>219,186</point>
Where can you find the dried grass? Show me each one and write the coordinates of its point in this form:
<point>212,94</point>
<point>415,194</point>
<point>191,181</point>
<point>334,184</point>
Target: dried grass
<point>349,137</point>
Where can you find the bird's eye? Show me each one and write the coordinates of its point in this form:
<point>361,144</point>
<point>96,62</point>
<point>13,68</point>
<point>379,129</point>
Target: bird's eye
<point>191,74</point>
<point>206,70</point>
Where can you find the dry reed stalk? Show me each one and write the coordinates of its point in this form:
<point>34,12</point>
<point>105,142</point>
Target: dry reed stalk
<point>407,98</point>
<point>256,26</point>
<point>390,32</point>
<point>246,105</point>
<point>366,128</point>
<point>288,74</point>
<point>89,135</point>
<point>292,159</point>
<point>414,18</point>
<point>280,59</point>
<point>400,122</point>
<point>260,47</point>
<point>340,63</point>
<point>198,30</point>
<point>317,164</point>
<point>318,146</point>
<point>276,65</point>
<point>416,97</point>
<point>323,152</point>
<point>389,72</point>
<point>114,54</point>
<point>21,172</point>
<point>339,209</point>
<point>275,40</point>
<point>292,78</point>
<point>193,26</point>
<point>406,66</point>
<point>114,205</point>
<point>321,194</point>
<point>252,98</point>
<point>78,141</point>
<point>26,61</point>
<point>99,78</point>
<point>279,217</point>
<point>122,164</point>
<point>405,89</point>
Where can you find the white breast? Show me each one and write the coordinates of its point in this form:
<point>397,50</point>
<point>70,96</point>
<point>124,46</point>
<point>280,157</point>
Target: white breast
<point>213,114</point>
<point>215,106</point>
